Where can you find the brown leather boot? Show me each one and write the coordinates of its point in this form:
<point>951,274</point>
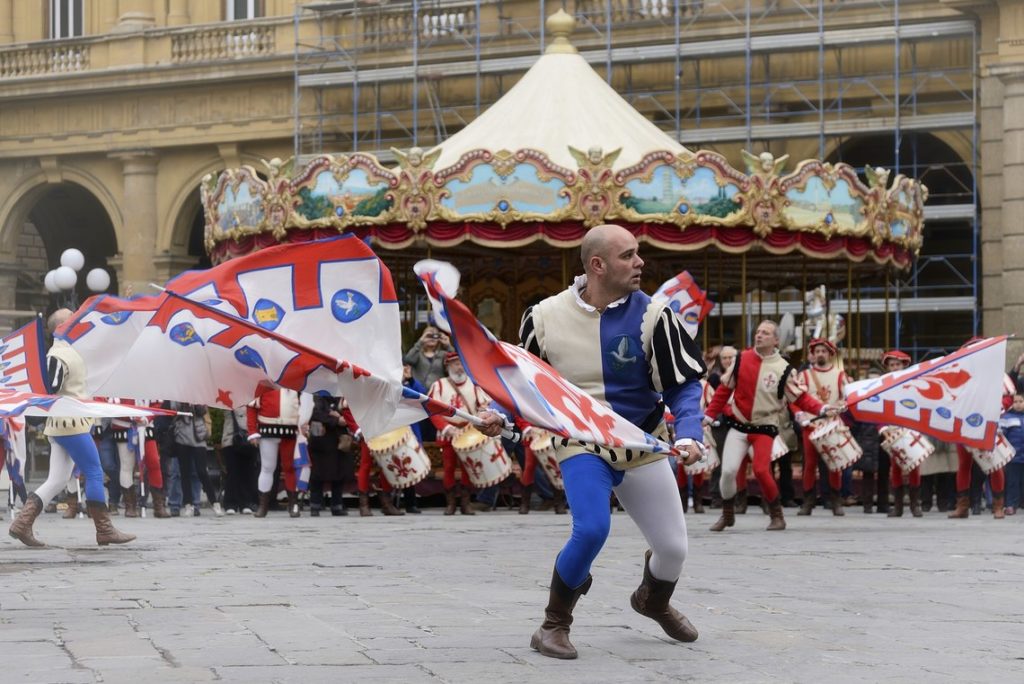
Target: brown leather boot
<point>559,502</point>
<point>651,599</point>
<point>778,521</point>
<point>293,505</point>
<point>998,511</point>
<point>21,528</point>
<point>552,638</point>
<point>131,502</point>
<point>915,502</point>
<point>465,505</point>
<point>728,517</point>
<point>836,502</point>
<point>106,533</point>
<point>364,505</point>
<point>159,503</point>
<point>698,503</point>
<point>524,500</point>
<point>741,502</point>
<point>867,493</point>
<point>72,502</point>
<point>808,504</point>
<point>264,506</point>
<point>449,500</point>
<point>387,506</point>
<point>897,502</point>
<point>963,505</point>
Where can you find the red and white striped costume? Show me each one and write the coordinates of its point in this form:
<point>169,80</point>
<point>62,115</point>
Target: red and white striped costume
<point>749,399</point>
<point>465,396</point>
<point>826,385</point>
<point>274,417</point>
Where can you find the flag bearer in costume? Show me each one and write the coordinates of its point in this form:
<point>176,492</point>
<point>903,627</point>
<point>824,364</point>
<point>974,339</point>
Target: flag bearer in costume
<point>612,341</point>
<point>273,422</point>
<point>892,361</point>
<point>824,380</point>
<point>997,479</point>
<point>71,444</point>
<point>749,401</point>
<point>458,390</point>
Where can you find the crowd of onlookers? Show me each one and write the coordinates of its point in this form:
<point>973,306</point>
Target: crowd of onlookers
<point>208,452</point>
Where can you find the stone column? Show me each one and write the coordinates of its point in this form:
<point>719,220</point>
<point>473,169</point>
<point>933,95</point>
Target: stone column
<point>1012,214</point>
<point>134,15</point>
<point>990,125</point>
<point>177,13</point>
<point>138,236</point>
<point>6,23</point>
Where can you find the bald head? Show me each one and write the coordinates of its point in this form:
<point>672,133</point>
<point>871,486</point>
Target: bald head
<point>57,319</point>
<point>599,240</point>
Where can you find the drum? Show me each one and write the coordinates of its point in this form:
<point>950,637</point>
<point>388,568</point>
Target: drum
<point>711,459</point>
<point>400,457</point>
<point>907,448</point>
<point>836,445</point>
<point>483,458</point>
<point>991,461</point>
<point>779,449</point>
<point>542,444</point>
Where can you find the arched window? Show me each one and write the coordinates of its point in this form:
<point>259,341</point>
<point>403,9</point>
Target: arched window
<point>65,18</point>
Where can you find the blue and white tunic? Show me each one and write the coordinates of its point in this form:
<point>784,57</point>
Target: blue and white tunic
<point>635,358</point>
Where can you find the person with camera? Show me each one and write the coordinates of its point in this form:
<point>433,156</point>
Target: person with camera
<point>426,360</point>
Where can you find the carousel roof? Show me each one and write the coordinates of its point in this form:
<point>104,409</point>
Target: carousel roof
<point>560,153</point>
<point>560,102</point>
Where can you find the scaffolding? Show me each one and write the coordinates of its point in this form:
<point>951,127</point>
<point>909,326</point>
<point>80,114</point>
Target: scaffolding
<point>892,83</point>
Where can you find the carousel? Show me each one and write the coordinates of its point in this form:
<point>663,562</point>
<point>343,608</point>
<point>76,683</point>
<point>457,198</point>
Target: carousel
<point>509,197</point>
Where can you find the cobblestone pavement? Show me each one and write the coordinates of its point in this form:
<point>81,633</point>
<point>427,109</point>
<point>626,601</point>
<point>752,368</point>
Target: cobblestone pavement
<point>434,599</point>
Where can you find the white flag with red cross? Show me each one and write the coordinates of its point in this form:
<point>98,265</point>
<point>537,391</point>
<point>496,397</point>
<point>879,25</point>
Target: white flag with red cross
<point>956,398</point>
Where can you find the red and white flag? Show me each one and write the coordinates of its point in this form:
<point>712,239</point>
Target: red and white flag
<point>21,359</point>
<point>956,398</point>
<point>319,317</point>
<point>689,303</point>
<point>531,389</point>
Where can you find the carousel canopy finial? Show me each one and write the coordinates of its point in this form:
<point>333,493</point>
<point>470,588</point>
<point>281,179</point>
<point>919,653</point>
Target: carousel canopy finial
<point>561,25</point>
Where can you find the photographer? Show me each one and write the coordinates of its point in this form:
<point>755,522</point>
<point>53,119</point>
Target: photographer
<point>427,356</point>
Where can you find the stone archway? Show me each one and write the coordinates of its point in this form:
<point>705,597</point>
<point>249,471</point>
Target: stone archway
<point>45,221</point>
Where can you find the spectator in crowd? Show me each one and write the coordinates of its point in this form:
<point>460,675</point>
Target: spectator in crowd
<point>1012,423</point>
<point>241,461</point>
<point>332,451</point>
<point>190,433</point>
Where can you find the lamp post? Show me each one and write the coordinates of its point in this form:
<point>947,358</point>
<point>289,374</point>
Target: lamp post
<point>62,280</point>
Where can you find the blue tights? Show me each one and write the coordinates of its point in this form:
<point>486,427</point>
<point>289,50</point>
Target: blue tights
<point>589,480</point>
<point>82,450</point>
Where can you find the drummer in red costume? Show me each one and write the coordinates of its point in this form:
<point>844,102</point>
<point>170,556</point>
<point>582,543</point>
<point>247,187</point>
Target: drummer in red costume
<point>459,391</point>
<point>273,421</point>
<point>536,440</point>
<point>749,400</point>
<point>825,380</point>
<point>997,479</point>
<point>893,361</point>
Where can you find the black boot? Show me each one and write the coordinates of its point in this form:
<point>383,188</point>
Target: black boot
<point>897,503</point>
<point>651,599</point>
<point>409,501</point>
<point>867,493</point>
<point>524,500</point>
<point>552,639</point>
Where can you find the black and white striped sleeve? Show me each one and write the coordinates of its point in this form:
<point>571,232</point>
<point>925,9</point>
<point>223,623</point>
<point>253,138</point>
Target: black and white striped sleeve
<point>675,357</point>
<point>528,334</point>
<point>55,372</point>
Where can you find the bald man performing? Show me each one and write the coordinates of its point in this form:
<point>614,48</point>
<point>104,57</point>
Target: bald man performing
<point>631,354</point>
<point>71,444</point>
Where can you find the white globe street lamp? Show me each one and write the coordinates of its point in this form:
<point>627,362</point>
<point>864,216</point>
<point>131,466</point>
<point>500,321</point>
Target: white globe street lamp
<point>73,259</point>
<point>65,278</point>
<point>49,283</point>
<point>97,280</point>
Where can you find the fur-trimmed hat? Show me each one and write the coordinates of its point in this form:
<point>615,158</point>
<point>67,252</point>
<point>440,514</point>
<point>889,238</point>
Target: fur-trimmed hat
<point>822,341</point>
<point>898,355</point>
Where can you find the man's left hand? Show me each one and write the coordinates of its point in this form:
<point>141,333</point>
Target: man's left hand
<point>688,454</point>
<point>492,423</point>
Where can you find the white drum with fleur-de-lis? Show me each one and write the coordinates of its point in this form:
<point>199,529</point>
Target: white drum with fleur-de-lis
<point>400,457</point>
<point>991,461</point>
<point>836,445</point>
<point>907,448</point>
<point>482,457</point>
<point>542,444</point>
